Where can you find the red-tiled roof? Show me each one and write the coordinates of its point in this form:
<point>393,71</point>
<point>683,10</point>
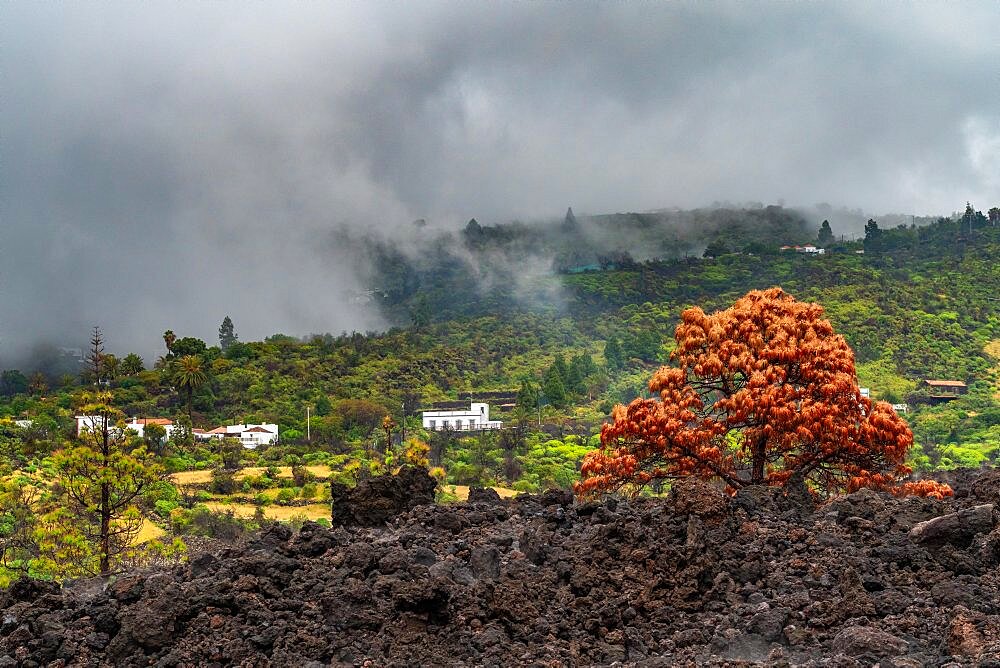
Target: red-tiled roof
<point>945,383</point>
<point>258,430</point>
<point>163,422</point>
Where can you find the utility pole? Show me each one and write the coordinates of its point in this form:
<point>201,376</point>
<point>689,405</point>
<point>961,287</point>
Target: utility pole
<point>402,424</point>
<point>308,430</point>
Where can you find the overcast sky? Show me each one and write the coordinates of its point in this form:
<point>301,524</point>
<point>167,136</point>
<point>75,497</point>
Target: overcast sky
<point>165,164</point>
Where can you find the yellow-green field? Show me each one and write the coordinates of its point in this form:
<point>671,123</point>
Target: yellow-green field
<point>185,478</point>
<point>148,532</point>
<point>462,491</point>
<point>313,511</point>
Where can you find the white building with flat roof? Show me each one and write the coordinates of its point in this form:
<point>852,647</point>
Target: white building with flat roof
<point>477,418</point>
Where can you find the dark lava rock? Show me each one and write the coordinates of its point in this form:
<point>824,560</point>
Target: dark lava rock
<point>28,590</point>
<point>483,495</point>
<point>695,579</point>
<point>957,528</point>
<point>868,641</point>
<point>376,501</point>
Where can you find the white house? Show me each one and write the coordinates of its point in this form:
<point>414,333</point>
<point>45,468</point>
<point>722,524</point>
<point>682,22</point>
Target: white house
<point>250,435</point>
<point>138,425</point>
<point>808,249</point>
<point>258,434</point>
<point>476,418</point>
<point>88,423</point>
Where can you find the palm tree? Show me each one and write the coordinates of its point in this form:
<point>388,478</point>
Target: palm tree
<point>189,376</point>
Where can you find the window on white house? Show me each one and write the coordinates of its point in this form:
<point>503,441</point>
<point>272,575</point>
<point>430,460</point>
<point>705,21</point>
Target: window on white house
<point>432,423</point>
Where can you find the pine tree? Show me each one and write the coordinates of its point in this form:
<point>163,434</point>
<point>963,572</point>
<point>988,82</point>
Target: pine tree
<point>227,334</point>
<point>569,222</point>
<point>553,387</point>
<point>613,354</point>
<point>95,357</point>
<point>825,236</point>
<point>762,393</point>
<point>527,396</point>
<point>102,479</point>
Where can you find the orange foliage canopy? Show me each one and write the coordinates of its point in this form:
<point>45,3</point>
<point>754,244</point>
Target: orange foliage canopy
<point>761,391</point>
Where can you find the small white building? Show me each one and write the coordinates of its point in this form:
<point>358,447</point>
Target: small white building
<point>808,249</point>
<point>476,418</point>
<point>249,435</point>
<point>88,423</point>
<point>138,425</point>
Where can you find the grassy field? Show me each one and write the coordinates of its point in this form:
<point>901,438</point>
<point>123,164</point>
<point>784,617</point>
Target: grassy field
<point>185,478</point>
<point>313,511</point>
<point>462,492</point>
<point>148,532</point>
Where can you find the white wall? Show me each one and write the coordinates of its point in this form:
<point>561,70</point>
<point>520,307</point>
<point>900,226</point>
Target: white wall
<point>477,417</point>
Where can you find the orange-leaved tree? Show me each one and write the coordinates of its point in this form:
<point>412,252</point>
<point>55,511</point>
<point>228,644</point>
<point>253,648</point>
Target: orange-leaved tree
<point>759,393</point>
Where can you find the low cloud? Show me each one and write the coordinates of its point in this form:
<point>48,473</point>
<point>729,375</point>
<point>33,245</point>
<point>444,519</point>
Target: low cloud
<point>167,164</point>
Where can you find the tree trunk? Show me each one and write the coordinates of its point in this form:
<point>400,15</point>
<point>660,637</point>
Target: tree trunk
<point>105,528</point>
<point>106,500</point>
<point>759,461</point>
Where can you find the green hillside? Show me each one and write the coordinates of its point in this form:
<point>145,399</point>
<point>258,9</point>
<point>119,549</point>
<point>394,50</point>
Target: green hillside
<point>569,342</point>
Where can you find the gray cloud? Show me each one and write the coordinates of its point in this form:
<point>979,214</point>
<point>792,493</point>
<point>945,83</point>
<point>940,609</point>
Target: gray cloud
<point>166,164</point>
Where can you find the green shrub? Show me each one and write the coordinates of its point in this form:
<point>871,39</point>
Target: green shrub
<point>224,482</point>
<point>285,496</point>
<point>525,486</point>
<point>164,508</point>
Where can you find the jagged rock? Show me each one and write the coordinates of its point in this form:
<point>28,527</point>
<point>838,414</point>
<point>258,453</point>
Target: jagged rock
<point>376,501</point>
<point>957,528</point>
<point>483,495</point>
<point>485,562</point>
<point>696,579</point>
<point>964,639</point>
<point>986,488</point>
<point>868,641</point>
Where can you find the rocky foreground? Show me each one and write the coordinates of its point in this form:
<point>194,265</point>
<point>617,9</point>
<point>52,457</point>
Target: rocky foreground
<point>695,579</point>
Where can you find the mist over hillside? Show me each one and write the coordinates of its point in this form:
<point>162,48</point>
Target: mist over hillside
<point>165,166</point>
<point>369,279</point>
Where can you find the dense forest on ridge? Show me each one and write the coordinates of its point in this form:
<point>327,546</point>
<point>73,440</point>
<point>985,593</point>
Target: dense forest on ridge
<point>561,317</point>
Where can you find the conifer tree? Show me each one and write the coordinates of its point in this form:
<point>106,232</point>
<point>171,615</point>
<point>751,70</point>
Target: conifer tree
<point>762,393</point>
<point>825,236</point>
<point>102,480</point>
<point>613,354</point>
<point>227,334</point>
